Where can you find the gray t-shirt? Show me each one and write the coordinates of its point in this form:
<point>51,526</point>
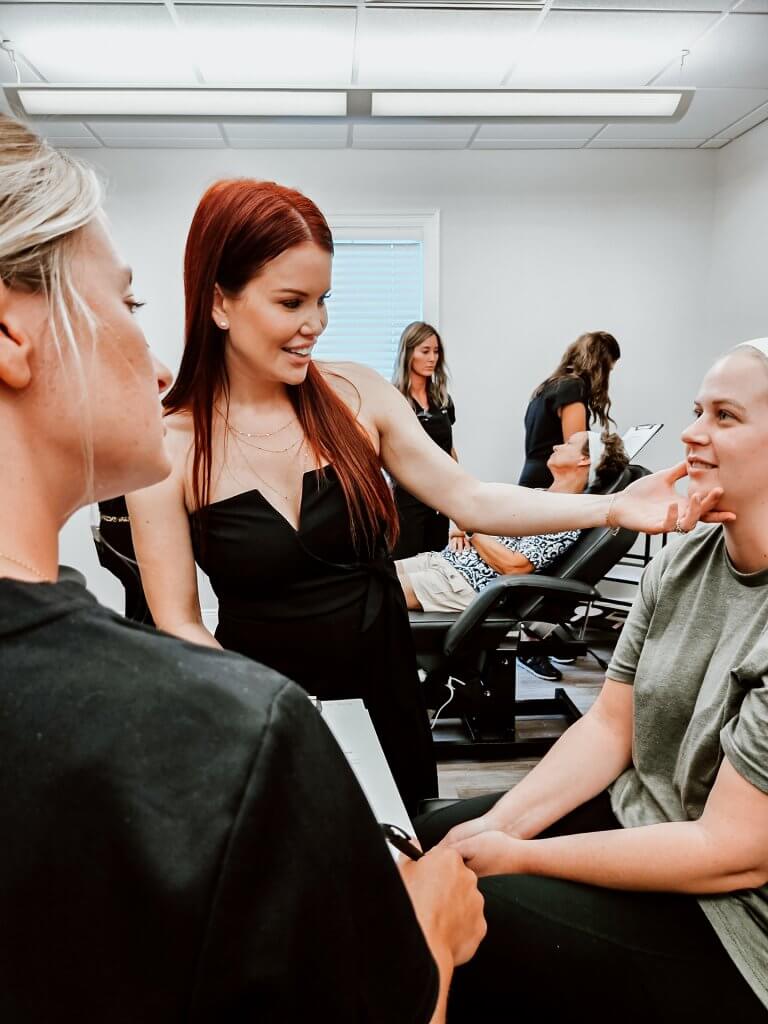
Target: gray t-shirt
<point>695,646</point>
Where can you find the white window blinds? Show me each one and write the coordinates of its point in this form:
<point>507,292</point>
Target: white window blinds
<point>378,289</point>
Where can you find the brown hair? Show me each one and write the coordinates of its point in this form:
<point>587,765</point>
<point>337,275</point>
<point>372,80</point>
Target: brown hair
<point>238,227</point>
<point>613,460</point>
<point>591,358</point>
<point>413,335</point>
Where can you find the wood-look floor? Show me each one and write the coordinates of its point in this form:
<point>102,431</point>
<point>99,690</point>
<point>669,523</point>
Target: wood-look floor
<point>582,681</point>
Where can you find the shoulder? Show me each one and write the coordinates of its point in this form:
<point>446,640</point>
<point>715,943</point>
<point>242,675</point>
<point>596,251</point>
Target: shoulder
<point>179,436</point>
<point>567,390</point>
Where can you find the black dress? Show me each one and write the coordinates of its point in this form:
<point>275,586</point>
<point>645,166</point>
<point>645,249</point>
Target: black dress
<point>305,603</point>
<point>423,528</point>
<point>114,547</point>
<point>544,428</point>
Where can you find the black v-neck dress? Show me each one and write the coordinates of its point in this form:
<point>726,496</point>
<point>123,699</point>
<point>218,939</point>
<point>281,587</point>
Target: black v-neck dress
<point>304,603</point>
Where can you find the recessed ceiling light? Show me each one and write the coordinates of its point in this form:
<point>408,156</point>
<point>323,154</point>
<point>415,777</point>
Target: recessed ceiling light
<point>521,103</point>
<point>41,101</point>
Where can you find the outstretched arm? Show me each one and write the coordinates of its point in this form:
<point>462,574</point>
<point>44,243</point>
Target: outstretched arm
<point>650,505</point>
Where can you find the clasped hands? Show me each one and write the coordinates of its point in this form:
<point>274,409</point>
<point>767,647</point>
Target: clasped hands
<point>489,847</point>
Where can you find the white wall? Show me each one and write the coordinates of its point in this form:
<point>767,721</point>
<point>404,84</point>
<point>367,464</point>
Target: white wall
<point>738,296</point>
<point>536,247</point>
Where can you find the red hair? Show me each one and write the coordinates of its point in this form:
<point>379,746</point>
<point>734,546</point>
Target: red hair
<point>238,227</point>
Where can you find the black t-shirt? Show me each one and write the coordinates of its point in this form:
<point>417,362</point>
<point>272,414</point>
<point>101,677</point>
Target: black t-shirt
<point>182,839</point>
<point>543,427</point>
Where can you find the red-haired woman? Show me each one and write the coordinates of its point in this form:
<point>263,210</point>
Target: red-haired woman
<point>277,490</point>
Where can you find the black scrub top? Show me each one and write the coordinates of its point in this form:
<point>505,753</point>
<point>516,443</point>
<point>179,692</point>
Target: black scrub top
<point>438,422</point>
<point>544,428</point>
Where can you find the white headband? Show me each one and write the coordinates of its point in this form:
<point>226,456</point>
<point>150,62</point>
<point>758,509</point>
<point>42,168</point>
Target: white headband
<point>761,344</point>
<point>596,449</point>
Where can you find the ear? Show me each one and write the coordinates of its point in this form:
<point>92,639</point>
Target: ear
<point>15,343</point>
<point>218,312</point>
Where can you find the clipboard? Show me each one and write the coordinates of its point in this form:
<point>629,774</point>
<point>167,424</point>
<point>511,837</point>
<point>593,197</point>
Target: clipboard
<point>636,438</point>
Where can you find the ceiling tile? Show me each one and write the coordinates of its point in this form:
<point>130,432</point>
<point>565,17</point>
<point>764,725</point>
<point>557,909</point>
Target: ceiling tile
<point>527,144</point>
<point>475,49</point>
<point>161,131</point>
<point>642,5</point>
<point>598,49</point>
<point>530,131</point>
<point>711,111</point>
<point>105,43</point>
<point>54,130</point>
<point>77,142</point>
<point>288,143</point>
<point>715,143</point>
<point>752,120</point>
<point>253,45</point>
<point>735,54</point>
<point>255,131</point>
<point>423,131</point>
<point>601,143</point>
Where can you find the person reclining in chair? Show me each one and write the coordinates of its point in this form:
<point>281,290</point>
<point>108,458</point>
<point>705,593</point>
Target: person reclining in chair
<point>448,580</point>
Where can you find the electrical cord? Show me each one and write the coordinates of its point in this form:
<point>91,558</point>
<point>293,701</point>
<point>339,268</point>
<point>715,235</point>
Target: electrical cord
<point>451,690</point>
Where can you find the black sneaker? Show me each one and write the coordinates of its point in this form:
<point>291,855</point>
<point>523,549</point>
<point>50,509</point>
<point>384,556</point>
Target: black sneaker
<point>541,667</point>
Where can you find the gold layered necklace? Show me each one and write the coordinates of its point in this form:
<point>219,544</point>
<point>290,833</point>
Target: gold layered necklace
<point>248,433</point>
<point>240,441</point>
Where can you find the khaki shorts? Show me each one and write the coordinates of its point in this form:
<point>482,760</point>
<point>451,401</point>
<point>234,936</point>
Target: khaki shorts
<point>437,585</point>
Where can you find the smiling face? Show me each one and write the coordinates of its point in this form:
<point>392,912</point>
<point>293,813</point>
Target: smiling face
<point>727,443</point>
<point>276,319</point>
<point>425,357</point>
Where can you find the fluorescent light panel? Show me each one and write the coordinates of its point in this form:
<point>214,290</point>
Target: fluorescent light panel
<point>182,102</point>
<point>524,104</point>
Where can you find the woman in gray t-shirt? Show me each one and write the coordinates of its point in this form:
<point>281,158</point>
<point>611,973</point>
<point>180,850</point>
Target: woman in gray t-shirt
<point>647,887</point>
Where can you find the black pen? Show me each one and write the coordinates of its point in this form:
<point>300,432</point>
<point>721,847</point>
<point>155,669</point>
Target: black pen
<point>401,841</point>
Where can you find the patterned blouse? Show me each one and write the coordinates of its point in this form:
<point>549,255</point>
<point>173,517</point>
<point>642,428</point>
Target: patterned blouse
<point>540,550</point>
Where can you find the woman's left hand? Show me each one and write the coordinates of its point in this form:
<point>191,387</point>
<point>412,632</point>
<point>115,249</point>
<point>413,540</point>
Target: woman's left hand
<point>493,853</point>
<point>652,505</point>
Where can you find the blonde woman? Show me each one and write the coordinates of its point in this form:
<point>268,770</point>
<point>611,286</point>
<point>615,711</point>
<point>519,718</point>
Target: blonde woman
<point>182,838</point>
<point>421,376</point>
<point>630,867</point>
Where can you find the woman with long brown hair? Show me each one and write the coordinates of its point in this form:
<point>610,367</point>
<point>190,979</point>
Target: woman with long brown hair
<point>421,377</point>
<point>277,488</point>
<point>567,401</point>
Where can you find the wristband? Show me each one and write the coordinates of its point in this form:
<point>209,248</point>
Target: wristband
<point>613,527</point>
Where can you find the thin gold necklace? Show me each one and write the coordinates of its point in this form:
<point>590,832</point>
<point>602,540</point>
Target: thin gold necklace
<point>285,497</point>
<point>246,433</point>
<point>259,448</point>
<point>25,565</point>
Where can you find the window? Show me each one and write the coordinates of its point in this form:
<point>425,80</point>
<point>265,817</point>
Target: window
<point>384,277</point>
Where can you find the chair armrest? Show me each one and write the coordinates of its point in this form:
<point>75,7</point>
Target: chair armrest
<point>496,594</point>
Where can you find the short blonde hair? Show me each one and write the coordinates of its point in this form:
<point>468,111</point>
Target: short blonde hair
<point>45,198</point>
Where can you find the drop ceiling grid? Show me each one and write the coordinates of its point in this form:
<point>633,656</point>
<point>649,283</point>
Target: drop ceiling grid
<point>727,107</point>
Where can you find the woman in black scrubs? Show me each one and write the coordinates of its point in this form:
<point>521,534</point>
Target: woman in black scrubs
<point>567,401</point>
<point>422,377</point>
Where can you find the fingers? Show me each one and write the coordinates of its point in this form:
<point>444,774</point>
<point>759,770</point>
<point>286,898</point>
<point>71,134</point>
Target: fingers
<point>677,472</point>
<point>719,517</point>
<point>671,519</point>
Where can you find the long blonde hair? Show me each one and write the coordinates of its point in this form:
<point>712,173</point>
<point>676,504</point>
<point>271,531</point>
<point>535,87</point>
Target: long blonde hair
<point>45,197</point>
<point>590,357</point>
<point>413,336</point>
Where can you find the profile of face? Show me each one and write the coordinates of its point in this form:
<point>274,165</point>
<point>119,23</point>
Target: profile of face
<point>570,454</point>
<point>120,413</point>
<point>274,322</point>
<point>727,442</point>
<point>425,357</point>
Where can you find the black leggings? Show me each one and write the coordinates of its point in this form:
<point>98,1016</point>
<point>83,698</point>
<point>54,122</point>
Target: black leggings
<point>556,946</point>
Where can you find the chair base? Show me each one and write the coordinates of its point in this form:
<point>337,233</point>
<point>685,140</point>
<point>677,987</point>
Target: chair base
<point>499,741</point>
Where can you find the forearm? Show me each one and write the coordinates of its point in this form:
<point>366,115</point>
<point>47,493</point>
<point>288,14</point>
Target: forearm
<point>444,963</point>
<point>586,759</point>
<point>669,857</point>
<point>500,559</point>
<point>195,632</point>
<point>521,511</point>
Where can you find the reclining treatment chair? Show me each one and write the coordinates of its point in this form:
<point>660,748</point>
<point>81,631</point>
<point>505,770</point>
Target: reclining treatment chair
<point>473,654</point>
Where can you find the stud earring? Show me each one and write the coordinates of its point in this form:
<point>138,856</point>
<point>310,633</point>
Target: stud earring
<point>224,325</point>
